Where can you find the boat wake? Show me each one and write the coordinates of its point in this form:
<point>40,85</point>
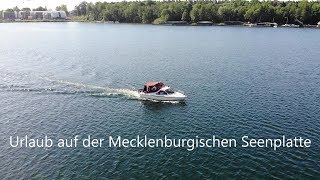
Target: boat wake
<point>102,91</point>
<point>50,86</point>
<point>99,91</point>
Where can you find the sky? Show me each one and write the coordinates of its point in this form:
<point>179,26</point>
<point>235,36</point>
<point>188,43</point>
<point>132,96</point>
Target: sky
<point>50,4</point>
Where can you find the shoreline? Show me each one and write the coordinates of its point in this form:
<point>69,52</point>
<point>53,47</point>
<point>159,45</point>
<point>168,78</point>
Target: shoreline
<point>255,25</point>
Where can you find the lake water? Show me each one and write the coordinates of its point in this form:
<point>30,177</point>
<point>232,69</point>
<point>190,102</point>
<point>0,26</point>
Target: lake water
<point>67,79</point>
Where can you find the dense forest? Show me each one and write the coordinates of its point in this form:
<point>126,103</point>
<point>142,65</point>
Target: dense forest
<point>237,10</point>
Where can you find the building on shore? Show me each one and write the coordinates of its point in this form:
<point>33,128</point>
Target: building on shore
<point>33,15</point>
<point>23,14</point>
<point>36,14</point>
<point>9,15</point>
<point>49,15</point>
<point>58,15</point>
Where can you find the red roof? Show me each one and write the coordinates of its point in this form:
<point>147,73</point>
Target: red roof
<point>152,83</point>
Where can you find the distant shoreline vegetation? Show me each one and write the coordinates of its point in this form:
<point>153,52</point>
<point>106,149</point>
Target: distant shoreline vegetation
<point>268,13</point>
<point>302,12</point>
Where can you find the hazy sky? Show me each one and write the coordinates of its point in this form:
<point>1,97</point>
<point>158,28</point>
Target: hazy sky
<point>51,4</point>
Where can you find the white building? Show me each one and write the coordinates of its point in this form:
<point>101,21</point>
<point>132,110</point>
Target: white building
<point>48,14</point>
<point>9,15</point>
<point>23,14</point>
<point>58,14</point>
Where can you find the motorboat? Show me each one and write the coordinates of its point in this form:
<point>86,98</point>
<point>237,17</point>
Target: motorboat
<point>159,92</point>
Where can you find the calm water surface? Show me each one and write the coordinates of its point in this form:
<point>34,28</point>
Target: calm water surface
<point>64,79</point>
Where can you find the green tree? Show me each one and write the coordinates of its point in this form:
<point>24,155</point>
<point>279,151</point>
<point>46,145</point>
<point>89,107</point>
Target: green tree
<point>236,10</point>
<point>133,12</point>
<point>81,9</point>
<point>148,15</point>
<point>196,13</point>
<point>165,14</point>
<point>16,9</point>
<point>64,8</point>
<point>26,9</point>
<point>315,13</point>
<point>40,8</point>
<point>226,12</point>
<point>186,12</point>
<point>304,11</point>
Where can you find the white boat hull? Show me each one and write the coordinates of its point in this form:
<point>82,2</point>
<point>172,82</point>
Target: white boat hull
<point>157,97</point>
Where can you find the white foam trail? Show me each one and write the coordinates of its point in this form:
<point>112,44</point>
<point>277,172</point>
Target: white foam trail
<point>107,91</point>
<point>128,92</point>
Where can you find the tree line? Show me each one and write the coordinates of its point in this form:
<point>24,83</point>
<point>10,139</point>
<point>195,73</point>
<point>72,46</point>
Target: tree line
<point>254,11</point>
<point>236,10</point>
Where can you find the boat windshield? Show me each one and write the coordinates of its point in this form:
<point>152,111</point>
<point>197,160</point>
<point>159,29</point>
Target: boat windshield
<point>169,91</point>
<point>162,92</point>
